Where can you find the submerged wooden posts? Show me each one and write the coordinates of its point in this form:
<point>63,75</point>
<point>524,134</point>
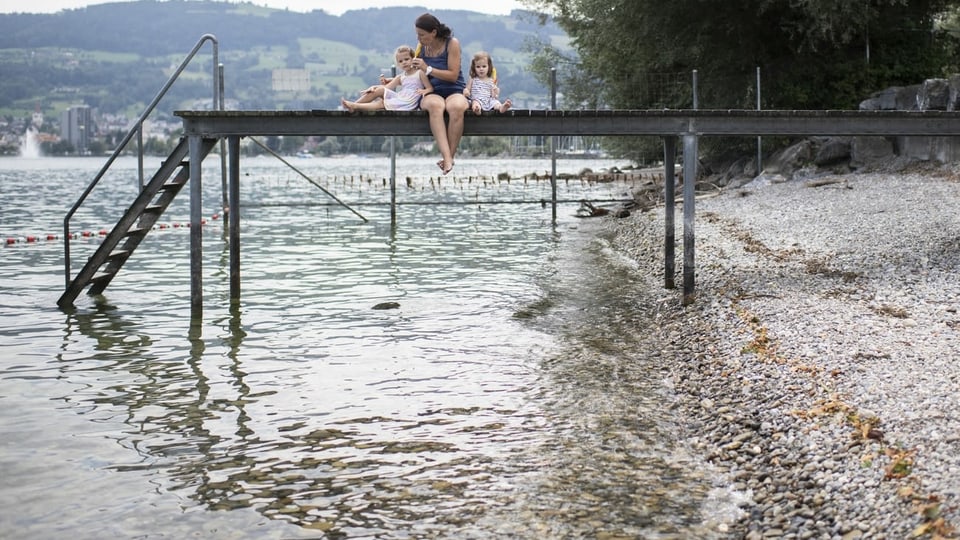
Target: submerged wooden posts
<point>668,124</point>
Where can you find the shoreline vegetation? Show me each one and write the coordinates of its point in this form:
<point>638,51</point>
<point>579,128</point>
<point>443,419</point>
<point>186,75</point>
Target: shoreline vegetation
<point>817,367</point>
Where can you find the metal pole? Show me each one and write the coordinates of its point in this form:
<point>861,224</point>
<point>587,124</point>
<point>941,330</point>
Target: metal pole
<point>140,156</point>
<point>553,145</point>
<point>689,197</point>
<point>759,138</point>
<point>669,211</point>
<point>196,229</point>
<point>233,217</point>
<point>696,98</point>
<point>393,171</point>
<point>223,149</point>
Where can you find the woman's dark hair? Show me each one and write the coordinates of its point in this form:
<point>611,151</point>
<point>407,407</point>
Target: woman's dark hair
<point>430,23</point>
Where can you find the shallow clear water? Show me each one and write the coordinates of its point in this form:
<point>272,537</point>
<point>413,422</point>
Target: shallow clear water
<point>507,396</point>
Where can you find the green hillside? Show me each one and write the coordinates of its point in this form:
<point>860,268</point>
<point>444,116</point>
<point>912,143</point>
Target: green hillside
<point>115,57</point>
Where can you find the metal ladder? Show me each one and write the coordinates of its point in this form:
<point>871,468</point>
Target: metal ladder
<point>136,222</point>
<point>153,199</point>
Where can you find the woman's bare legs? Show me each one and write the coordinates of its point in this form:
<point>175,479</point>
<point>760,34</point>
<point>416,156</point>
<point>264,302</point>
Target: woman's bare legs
<point>457,106</point>
<point>434,105</point>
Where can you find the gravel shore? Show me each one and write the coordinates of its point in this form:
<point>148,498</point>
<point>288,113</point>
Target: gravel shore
<point>818,366</point>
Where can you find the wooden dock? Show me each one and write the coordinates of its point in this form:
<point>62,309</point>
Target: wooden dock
<point>202,127</point>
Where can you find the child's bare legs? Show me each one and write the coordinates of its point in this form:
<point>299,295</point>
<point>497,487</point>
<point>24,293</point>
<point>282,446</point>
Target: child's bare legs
<point>505,106</point>
<point>475,106</point>
<point>372,93</point>
<point>370,99</point>
<point>354,106</point>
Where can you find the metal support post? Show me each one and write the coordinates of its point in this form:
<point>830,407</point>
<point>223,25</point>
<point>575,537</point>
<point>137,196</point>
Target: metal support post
<point>669,207</point>
<point>393,169</point>
<point>553,145</point>
<point>759,138</point>
<point>689,198</point>
<point>233,216</point>
<point>196,228</point>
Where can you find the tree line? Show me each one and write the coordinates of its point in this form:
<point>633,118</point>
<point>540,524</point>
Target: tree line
<point>811,54</point>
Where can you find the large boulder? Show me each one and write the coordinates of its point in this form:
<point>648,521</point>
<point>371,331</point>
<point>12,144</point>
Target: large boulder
<point>791,159</point>
<point>895,98</point>
<point>832,151</point>
<point>866,151</point>
<point>934,95</point>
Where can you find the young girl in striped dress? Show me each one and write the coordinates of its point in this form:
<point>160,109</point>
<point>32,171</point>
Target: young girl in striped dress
<point>482,89</point>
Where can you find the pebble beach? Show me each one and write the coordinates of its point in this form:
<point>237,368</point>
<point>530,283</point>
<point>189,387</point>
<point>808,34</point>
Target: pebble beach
<point>817,368</point>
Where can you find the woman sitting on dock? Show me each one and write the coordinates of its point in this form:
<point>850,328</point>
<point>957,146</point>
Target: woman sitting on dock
<point>440,60</point>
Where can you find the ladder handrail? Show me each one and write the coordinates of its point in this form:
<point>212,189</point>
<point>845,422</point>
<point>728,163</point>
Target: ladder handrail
<point>137,130</point>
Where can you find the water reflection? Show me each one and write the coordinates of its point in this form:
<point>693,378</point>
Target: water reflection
<point>514,392</point>
<point>582,446</point>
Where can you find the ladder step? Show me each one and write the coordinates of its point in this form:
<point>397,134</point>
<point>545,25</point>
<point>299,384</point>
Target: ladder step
<point>119,254</point>
<point>176,183</point>
<point>137,231</point>
<point>104,276</point>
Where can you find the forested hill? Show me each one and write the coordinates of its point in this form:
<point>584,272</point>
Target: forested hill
<point>150,27</point>
<point>134,44</point>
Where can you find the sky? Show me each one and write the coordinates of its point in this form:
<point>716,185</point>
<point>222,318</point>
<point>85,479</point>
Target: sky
<point>335,7</point>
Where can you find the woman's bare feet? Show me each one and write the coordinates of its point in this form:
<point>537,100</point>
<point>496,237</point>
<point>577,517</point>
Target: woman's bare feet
<point>444,167</point>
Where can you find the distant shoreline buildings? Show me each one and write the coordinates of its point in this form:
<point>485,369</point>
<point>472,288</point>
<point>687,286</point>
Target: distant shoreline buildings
<point>76,127</point>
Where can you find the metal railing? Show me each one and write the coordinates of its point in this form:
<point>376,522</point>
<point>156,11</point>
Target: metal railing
<point>137,131</point>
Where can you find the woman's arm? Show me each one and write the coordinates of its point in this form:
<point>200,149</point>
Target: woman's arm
<point>468,87</point>
<point>425,81</point>
<point>453,63</point>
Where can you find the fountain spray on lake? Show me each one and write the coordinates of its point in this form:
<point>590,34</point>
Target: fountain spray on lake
<point>30,144</point>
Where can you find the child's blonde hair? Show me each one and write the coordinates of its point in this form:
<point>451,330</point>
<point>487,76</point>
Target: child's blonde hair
<point>403,49</point>
<point>483,55</point>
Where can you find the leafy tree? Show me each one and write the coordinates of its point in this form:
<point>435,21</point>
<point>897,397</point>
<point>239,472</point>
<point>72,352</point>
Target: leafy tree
<point>812,54</point>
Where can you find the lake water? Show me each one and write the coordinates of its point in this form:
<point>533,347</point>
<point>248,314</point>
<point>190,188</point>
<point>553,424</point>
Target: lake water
<point>505,397</point>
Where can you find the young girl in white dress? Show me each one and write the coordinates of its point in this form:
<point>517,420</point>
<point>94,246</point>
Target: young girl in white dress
<point>402,93</point>
<point>482,89</point>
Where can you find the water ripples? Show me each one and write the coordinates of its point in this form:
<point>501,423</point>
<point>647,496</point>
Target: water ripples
<point>507,394</point>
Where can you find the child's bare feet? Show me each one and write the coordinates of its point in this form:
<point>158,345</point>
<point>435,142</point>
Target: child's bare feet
<point>506,106</point>
<point>476,107</point>
<point>348,105</point>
